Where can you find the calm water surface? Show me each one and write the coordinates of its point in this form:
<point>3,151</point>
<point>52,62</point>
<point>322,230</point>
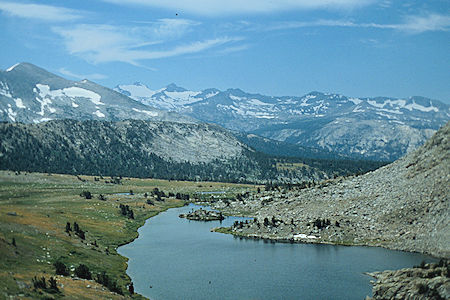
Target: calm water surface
<point>176,258</point>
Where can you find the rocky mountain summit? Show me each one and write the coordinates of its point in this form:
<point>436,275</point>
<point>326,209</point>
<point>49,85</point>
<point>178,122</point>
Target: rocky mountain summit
<point>404,205</point>
<point>30,94</point>
<point>378,128</point>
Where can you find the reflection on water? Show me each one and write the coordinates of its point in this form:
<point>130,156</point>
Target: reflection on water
<point>176,258</point>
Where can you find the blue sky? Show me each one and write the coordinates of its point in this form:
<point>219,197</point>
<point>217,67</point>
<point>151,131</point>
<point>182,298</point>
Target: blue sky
<point>284,47</point>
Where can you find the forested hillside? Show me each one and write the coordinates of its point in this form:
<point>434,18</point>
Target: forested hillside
<point>153,150</point>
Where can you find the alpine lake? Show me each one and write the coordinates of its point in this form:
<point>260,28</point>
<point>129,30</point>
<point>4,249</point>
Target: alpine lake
<point>175,258</point>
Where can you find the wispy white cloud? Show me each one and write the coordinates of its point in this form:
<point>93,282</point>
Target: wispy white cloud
<point>229,7</point>
<point>419,24</point>
<point>94,76</point>
<point>410,24</point>
<point>107,43</point>
<point>233,49</point>
<point>385,3</point>
<point>40,12</point>
<point>168,27</point>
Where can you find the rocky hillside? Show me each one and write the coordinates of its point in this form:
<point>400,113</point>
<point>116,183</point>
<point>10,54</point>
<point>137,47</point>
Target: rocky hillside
<point>140,149</point>
<point>377,128</point>
<point>404,205</point>
<point>30,94</point>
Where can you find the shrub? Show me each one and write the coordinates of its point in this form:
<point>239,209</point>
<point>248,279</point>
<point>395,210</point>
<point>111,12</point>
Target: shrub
<point>86,194</point>
<point>61,268</point>
<point>82,271</point>
<point>422,288</point>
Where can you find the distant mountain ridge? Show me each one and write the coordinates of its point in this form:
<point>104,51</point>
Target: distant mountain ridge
<point>376,128</point>
<point>138,148</point>
<point>30,94</point>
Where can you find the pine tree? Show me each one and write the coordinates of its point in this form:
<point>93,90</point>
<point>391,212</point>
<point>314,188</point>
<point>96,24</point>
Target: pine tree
<point>53,285</point>
<point>131,288</point>
<point>68,228</point>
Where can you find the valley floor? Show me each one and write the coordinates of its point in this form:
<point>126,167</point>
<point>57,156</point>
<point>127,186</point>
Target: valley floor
<point>34,212</point>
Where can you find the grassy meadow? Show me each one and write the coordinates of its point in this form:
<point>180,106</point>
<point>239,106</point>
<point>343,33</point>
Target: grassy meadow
<point>34,211</point>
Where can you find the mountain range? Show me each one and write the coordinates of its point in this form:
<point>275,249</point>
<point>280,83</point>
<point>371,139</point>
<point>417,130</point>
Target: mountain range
<point>378,128</point>
<point>316,125</point>
<point>30,94</point>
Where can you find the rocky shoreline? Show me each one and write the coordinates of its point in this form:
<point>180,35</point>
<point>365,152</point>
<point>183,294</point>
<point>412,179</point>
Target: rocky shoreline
<point>427,281</point>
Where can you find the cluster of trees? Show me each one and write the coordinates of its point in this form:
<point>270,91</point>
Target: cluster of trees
<point>274,222</point>
<point>106,281</point>
<point>321,223</point>
<point>82,271</point>
<point>276,186</point>
<point>240,197</point>
<point>76,228</point>
<point>114,180</point>
<point>240,224</point>
<point>158,194</point>
<point>41,283</point>
<point>181,196</point>
<point>126,211</point>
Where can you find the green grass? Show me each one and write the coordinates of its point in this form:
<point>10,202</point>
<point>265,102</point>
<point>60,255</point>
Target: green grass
<point>43,204</point>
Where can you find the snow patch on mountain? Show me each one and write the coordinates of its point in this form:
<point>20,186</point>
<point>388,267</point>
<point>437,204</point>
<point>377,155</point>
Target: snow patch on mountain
<point>355,101</point>
<point>12,67</point>
<point>99,114</point>
<point>416,106</point>
<point>72,92</point>
<point>19,103</point>
<point>4,90</point>
<point>183,96</point>
<point>76,92</point>
<point>11,114</point>
<point>236,98</point>
<point>147,112</point>
<point>44,103</point>
<point>138,90</point>
<point>212,94</point>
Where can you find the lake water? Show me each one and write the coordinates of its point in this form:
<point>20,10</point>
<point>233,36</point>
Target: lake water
<point>176,258</point>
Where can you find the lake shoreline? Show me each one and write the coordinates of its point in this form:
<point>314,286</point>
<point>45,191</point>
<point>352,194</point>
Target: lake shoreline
<point>284,240</point>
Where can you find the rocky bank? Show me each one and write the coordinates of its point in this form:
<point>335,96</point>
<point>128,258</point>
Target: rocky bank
<point>427,281</point>
<point>404,206</point>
